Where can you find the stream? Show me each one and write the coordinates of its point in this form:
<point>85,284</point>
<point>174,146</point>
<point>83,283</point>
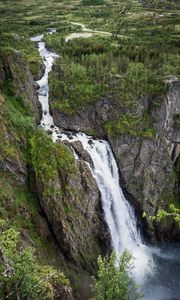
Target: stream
<point>157,269</point>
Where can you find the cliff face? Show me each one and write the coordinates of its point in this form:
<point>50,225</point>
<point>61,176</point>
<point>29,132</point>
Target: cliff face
<point>146,163</point>
<point>15,72</point>
<point>72,207</point>
<point>19,204</point>
<point>62,212</point>
<point>63,209</point>
<point>70,200</point>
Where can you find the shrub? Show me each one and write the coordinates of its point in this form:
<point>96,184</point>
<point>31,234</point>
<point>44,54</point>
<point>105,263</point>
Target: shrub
<point>114,279</point>
<point>48,158</point>
<point>92,2</point>
<point>21,277</point>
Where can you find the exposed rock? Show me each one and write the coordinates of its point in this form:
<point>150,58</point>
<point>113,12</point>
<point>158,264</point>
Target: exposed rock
<point>89,117</point>
<point>74,212</point>
<point>16,70</point>
<point>83,154</point>
<point>41,70</point>
<point>63,293</point>
<point>146,164</point>
<point>49,131</point>
<point>167,229</point>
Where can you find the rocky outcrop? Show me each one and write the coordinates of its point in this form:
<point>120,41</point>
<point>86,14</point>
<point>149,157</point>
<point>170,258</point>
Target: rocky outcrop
<point>92,116</point>
<point>146,163</point>
<point>19,205</point>
<point>73,210</point>
<point>83,154</point>
<point>62,293</point>
<point>15,71</point>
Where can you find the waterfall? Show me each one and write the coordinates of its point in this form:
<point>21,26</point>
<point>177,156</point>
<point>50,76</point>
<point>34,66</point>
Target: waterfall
<point>118,213</point>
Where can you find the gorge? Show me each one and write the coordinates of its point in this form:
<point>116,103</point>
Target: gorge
<point>89,150</point>
<point>150,262</point>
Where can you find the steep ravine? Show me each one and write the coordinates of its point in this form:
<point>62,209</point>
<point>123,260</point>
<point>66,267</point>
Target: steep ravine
<point>70,198</point>
<point>54,210</point>
<point>146,164</point>
<point>20,208</point>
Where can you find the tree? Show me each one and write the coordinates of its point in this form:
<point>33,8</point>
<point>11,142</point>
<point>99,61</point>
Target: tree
<point>21,277</point>
<point>172,212</point>
<point>114,280</point>
<point>92,2</point>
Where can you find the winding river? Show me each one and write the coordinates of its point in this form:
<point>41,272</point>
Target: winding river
<point>156,269</point>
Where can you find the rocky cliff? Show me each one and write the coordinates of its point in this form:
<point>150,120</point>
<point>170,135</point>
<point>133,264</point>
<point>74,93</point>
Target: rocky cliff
<point>146,156</point>
<point>53,199</point>
<point>59,213</point>
<point>16,74</point>
<point>70,199</point>
<point>19,204</point>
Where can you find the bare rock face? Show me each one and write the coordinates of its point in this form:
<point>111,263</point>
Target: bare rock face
<point>90,117</point>
<point>63,293</point>
<point>83,154</point>
<point>146,164</point>
<point>71,204</point>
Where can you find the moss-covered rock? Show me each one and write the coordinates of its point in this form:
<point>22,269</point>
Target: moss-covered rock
<point>145,143</point>
<point>70,199</point>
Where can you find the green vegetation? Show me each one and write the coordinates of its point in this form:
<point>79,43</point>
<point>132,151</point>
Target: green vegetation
<point>177,119</point>
<point>25,225</point>
<point>20,117</point>
<point>75,89</point>
<point>132,63</point>
<point>128,124</point>
<point>94,68</point>
<point>48,157</point>
<point>166,4</point>
<point>21,277</point>
<point>13,43</point>
<point>115,280</point>
<point>92,2</point>
<point>171,212</point>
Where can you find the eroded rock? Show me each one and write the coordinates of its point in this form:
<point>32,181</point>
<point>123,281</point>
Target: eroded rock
<point>83,154</point>
<point>74,211</point>
<point>146,163</point>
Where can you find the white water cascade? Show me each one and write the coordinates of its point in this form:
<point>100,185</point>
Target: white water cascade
<point>118,213</point>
